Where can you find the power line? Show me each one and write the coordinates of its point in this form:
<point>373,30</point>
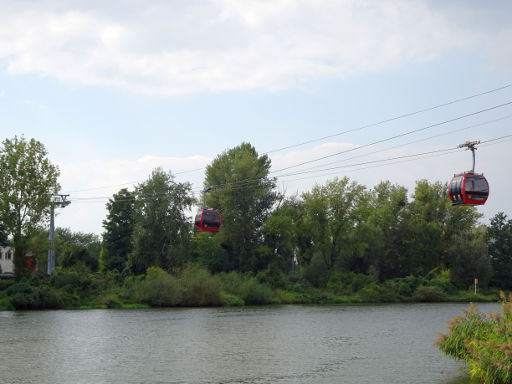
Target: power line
<point>413,142</point>
<point>396,136</point>
<point>241,184</point>
<point>389,120</point>
<point>334,135</point>
<point>401,161</point>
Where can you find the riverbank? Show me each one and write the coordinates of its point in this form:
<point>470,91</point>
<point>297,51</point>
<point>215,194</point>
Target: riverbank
<point>195,286</point>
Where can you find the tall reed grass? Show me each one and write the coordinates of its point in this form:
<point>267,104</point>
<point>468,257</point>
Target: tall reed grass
<point>483,341</point>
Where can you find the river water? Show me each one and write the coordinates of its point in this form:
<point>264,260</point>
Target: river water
<point>383,344</point>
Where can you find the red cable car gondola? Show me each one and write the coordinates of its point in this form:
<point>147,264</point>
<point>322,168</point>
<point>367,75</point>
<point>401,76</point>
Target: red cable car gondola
<point>207,220</point>
<point>469,188</point>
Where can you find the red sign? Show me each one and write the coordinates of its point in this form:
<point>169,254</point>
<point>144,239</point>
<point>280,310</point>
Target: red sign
<point>476,281</point>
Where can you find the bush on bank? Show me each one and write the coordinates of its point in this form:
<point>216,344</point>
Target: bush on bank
<point>195,286</point>
<point>483,341</point>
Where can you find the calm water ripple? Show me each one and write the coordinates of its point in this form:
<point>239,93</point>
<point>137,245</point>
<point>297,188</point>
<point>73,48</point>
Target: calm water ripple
<point>286,344</point>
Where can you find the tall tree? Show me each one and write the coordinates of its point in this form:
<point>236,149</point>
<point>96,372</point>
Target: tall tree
<point>28,179</point>
<point>333,213</point>
<point>117,238</point>
<point>161,234</point>
<point>499,242</point>
<point>387,218</point>
<point>245,194</point>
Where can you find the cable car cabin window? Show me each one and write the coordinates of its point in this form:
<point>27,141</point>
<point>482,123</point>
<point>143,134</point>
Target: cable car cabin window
<point>197,220</point>
<point>476,188</point>
<point>212,219</point>
<point>455,190</point>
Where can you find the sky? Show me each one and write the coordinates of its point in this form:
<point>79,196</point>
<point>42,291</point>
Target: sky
<point>115,89</point>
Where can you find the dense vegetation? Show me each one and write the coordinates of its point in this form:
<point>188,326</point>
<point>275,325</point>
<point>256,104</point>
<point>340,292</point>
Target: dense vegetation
<point>484,342</point>
<point>339,242</point>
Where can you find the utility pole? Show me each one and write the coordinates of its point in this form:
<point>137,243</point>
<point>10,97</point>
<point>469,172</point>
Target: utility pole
<point>61,201</point>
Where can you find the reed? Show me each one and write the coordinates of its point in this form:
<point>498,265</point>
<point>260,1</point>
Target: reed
<point>483,341</point>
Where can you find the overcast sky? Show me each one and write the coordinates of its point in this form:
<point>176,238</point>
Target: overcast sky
<point>114,89</point>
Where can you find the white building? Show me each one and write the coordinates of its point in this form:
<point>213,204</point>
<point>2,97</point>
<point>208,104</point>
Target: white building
<point>7,259</point>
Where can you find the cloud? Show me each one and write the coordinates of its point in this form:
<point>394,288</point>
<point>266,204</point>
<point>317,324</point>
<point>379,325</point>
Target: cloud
<point>169,48</point>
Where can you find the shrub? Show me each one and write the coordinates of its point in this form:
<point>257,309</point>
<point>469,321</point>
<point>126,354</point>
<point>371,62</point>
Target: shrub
<point>158,289</point>
<point>349,283</point>
<point>444,282</point>
<point>26,296</point>
<point>406,286</point>
<point>232,300</point>
<point>230,282</point>
<point>200,288</point>
<point>110,300</point>
<point>429,293</point>
<point>254,293</point>
<point>70,280</point>
<point>273,277</point>
<point>292,297</point>
<point>483,342</point>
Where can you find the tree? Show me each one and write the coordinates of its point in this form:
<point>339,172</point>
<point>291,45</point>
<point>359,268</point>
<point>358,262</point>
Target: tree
<point>3,235</point>
<point>161,233</point>
<point>279,230</point>
<point>117,238</point>
<point>499,243</point>
<point>28,180</point>
<point>388,210</point>
<point>77,249</point>
<point>332,214</point>
<point>245,196</point>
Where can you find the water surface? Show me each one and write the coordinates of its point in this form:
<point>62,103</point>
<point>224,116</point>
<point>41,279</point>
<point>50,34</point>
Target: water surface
<point>279,344</point>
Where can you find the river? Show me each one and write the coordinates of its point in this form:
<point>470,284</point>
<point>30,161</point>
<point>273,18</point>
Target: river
<point>383,344</point>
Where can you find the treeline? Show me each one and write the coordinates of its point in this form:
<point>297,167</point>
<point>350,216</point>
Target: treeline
<point>338,240</point>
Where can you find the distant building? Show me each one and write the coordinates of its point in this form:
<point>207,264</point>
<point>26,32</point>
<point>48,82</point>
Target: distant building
<point>7,259</point>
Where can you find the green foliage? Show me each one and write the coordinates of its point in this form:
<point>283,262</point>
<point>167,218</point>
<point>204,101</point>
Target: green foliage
<point>273,276</point>
<point>348,283</point>
<point>195,287</point>
<point>428,293</point>
<point>245,203</point>
<point>159,289</point>
<point>200,288</point>
<point>77,249</point>
<point>444,282</point>
<point>483,342</point>
<point>28,179</point>
<point>117,238</point>
<point>317,272</point>
<point>232,300</point>
<point>499,242</point>
<point>206,249</point>
<point>247,288</point>
<point>161,233</point>
<point>253,292</point>
<point>332,213</point>
<point>26,296</point>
